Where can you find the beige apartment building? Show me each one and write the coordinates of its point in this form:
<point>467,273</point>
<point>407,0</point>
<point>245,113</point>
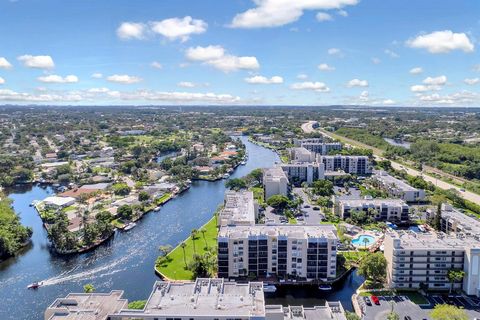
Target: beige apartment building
<point>393,210</point>
<point>239,208</point>
<point>262,251</point>
<point>275,181</point>
<point>422,260</point>
<point>202,299</point>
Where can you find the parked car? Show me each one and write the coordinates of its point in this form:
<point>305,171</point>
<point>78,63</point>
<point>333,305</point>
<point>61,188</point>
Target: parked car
<point>375,300</point>
<point>306,206</point>
<point>316,208</point>
<point>407,318</point>
<point>367,301</point>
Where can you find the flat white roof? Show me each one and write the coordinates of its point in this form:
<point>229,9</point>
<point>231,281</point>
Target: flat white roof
<point>59,201</point>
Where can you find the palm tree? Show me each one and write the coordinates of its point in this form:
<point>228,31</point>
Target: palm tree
<point>365,242</point>
<point>203,231</point>
<point>183,245</point>
<point>165,249</point>
<point>193,234</point>
<point>455,275</point>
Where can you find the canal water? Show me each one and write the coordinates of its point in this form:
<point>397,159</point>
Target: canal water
<point>126,261</point>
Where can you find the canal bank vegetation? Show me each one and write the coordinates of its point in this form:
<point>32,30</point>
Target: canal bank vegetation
<point>195,256</point>
<point>13,236</point>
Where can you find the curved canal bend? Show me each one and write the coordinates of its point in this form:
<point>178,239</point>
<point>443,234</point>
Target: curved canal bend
<point>126,262</point>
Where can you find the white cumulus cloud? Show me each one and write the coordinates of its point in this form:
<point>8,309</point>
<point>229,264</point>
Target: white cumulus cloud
<point>442,42</point>
<point>471,81</point>
<point>416,70</point>
<point>179,28</point>
<point>309,85</point>
<point>334,52</point>
<point>53,78</point>
<point>357,83</point>
<point>156,65</point>
<point>391,53</point>
<point>97,75</point>
<point>4,64</point>
<point>274,13</point>
<point>325,67</point>
<point>264,80</point>
<point>205,53</point>
<point>131,30</point>
<point>323,16</point>
<point>2,81</point>
<point>435,81</point>
<point>216,57</point>
<point>38,62</point>
<point>186,84</point>
<point>123,78</point>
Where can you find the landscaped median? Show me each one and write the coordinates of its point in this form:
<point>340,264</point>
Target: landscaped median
<point>174,265</point>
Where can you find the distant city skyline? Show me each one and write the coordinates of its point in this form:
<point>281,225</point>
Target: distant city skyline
<point>262,52</point>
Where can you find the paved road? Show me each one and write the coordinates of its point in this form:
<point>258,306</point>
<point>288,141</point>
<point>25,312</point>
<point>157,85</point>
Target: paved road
<point>467,195</point>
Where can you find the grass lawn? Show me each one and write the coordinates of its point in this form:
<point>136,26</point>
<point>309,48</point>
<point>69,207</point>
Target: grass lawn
<point>292,221</point>
<point>174,265</point>
<point>414,296</point>
<point>163,198</point>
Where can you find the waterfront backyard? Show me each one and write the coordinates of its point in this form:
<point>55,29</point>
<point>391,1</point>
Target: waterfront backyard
<point>173,266</point>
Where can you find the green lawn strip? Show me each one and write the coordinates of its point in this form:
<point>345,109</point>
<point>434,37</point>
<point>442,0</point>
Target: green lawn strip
<point>292,221</point>
<point>174,266</point>
<point>163,198</point>
<point>414,296</point>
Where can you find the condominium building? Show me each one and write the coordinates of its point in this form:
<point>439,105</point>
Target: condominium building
<point>350,164</point>
<point>299,172</point>
<point>239,208</point>
<point>398,188</point>
<point>306,252</point>
<point>318,146</point>
<point>423,260</point>
<point>202,299</point>
<point>275,181</point>
<point>394,210</point>
<point>300,154</point>
<point>454,221</point>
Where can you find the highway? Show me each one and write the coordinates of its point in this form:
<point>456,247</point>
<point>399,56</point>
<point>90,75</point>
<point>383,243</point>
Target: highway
<point>467,195</point>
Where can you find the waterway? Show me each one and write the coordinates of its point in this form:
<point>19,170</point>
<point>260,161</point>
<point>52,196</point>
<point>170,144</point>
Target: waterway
<point>126,261</point>
<point>398,143</point>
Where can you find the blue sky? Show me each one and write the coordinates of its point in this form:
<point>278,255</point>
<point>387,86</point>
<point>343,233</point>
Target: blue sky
<point>272,52</point>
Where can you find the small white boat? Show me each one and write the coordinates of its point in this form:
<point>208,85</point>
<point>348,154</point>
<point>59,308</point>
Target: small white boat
<point>226,176</point>
<point>325,287</point>
<point>156,209</point>
<point>34,285</point>
<point>269,288</point>
<point>243,163</point>
<point>130,226</point>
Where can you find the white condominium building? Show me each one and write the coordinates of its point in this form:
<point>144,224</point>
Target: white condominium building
<point>306,252</point>
<point>275,182</point>
<point>318,146</point>
<point>394,210</point>
<point>239,208</point>
<point>299,172</point>
<point>454,221</point>
<point>350,164</point>
<point>398,188</point>
<point>300,154</point>
<point>423,260</point>
<point>203,299</point>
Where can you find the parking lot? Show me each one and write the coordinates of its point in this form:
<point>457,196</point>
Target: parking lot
<point>308,214</point>
<point>404,307</point>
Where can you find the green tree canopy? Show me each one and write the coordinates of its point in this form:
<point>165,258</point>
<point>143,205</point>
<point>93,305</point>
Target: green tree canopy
<point>448,312</point>
<point>373,267</point>
<point>278,201</point>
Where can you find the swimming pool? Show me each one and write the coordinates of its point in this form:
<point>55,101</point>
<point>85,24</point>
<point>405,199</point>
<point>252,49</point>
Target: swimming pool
<point>363,240</point>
